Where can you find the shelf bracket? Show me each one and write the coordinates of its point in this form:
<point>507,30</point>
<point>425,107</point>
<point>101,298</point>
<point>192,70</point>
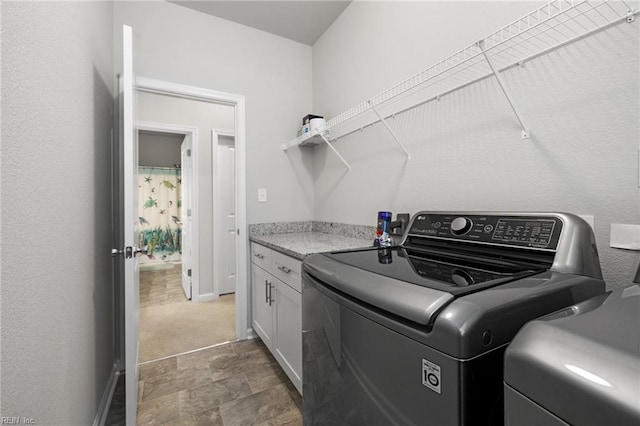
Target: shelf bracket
<point>390,131</point>
<point>324,138</point>
<point>503,86</point>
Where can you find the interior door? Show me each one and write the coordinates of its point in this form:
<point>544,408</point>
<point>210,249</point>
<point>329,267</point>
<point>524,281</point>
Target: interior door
<point>186,176</point>
<point>226,218</point>
<point>129,145</point>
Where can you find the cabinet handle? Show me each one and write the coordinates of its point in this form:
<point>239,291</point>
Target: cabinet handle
<point>284,269</point>
<point>259,255</point>
<point>270,294</point>
<point>266,292</point>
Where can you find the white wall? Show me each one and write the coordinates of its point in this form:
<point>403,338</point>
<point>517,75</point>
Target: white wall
<point>581,102</point>
<point>57,294</point>
<point>176,44</point>
<point>206,117</point>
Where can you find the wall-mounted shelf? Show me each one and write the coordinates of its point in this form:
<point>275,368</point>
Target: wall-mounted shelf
<point>553,25</point>
<point>303,140</point>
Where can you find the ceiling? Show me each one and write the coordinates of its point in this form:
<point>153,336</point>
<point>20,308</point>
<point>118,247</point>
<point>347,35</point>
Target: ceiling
<point>300,20</point>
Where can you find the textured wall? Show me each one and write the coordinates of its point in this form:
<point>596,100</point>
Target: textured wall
<point>581,102</point>
<point>206,117</point>
<point>57,303</point>
<point>176,44</point>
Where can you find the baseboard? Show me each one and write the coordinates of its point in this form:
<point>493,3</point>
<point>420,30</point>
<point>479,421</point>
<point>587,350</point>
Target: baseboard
<point>251,334</point>
<point>207,297</point>
<point>107,395</point>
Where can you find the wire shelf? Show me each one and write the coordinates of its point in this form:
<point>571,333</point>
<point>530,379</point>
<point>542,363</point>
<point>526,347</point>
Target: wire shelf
<point>553,25</point>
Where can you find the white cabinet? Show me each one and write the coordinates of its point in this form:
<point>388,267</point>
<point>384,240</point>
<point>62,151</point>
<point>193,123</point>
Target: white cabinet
<point>262,317</point>
<point>277,307</point>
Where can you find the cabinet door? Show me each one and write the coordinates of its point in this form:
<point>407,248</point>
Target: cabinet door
<point>288,335</point>
<point>261,296</point>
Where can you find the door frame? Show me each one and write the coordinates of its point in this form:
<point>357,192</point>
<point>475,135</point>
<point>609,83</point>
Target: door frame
<point>238,102</point>
<point>192,132</point>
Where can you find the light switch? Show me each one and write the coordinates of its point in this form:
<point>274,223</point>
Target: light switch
<point>262,195</point>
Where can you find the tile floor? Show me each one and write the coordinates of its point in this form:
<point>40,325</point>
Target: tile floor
<point>237,383</point>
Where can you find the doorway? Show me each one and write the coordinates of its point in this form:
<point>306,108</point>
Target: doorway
<point>232,218</point>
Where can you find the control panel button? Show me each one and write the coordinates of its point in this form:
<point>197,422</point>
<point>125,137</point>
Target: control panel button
<point>461,225</point>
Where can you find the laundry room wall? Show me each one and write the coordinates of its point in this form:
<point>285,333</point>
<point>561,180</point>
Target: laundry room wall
<point>206,117</point>
<point>580,101</point>
<point>57,292</point>
<point>176,44</point>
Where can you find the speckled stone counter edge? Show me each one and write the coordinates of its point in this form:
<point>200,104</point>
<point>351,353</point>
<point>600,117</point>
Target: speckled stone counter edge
<point>259,229</point>
<point>343,229</point>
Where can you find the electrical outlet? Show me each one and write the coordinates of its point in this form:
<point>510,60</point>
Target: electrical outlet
<point>262,195</point>
<point>625,236</point>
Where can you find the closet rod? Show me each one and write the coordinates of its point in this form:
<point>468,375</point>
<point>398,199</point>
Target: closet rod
<point>629,18</point>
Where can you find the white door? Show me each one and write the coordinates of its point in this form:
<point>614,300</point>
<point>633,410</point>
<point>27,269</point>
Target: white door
<point>186,176</point>
<point>129,143</point>
<point>225,221</point>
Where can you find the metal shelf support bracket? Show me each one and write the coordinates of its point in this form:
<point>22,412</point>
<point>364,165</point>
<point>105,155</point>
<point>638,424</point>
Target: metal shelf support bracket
<point>390,131</point>
<point>324,138</point>
<point>631,16</point>
<point>505,91</point>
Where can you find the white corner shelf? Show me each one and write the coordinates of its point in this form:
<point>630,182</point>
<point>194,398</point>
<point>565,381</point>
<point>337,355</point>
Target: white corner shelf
<point>549,27</point>
<point>303,140</point>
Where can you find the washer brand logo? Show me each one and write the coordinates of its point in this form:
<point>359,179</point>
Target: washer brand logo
<point>431,375</point>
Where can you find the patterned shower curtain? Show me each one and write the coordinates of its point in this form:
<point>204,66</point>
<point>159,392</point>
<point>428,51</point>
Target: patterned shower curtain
<point>159,212</point>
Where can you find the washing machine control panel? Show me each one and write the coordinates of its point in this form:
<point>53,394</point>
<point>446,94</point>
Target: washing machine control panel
<point>519,231</point>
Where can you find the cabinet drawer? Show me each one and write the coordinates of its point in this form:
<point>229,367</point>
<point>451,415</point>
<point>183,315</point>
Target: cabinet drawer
<point>261,256</point>
<point>288,270</point>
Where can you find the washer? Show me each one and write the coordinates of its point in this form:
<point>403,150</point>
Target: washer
<point>416,333</point>
<point>592,374</point>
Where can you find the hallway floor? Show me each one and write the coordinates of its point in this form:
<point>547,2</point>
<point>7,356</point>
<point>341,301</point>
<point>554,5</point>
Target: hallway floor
<point>170,324</point>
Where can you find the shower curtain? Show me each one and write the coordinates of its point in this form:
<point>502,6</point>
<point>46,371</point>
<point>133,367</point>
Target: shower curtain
<point>159,213</point>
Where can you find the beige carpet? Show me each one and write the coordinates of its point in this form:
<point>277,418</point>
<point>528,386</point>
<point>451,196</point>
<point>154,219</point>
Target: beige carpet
<point>170,324</point>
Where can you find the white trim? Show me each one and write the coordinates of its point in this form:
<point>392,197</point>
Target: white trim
<point>215,209</point>
<point>195,241</point>
<point>107,396</point>
<point>162,87</point>
<point>207,297</point>
<point>238,101</point>
<point>251,334</point>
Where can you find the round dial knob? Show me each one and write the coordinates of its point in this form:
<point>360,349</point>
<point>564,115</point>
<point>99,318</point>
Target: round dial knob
<point>461,225</point>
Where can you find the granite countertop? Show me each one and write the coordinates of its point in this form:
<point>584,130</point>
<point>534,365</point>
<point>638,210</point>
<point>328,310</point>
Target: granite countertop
<point>302,244</point>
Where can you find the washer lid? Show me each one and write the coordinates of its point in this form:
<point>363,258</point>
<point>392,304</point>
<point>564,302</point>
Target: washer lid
<point>447,270</point>
<point>415,303</point>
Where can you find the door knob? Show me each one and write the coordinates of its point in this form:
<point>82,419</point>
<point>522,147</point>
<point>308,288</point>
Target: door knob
<point>129,252</point>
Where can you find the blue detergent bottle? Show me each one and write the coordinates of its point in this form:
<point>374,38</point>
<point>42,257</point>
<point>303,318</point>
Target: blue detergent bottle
<point>383,239</point>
